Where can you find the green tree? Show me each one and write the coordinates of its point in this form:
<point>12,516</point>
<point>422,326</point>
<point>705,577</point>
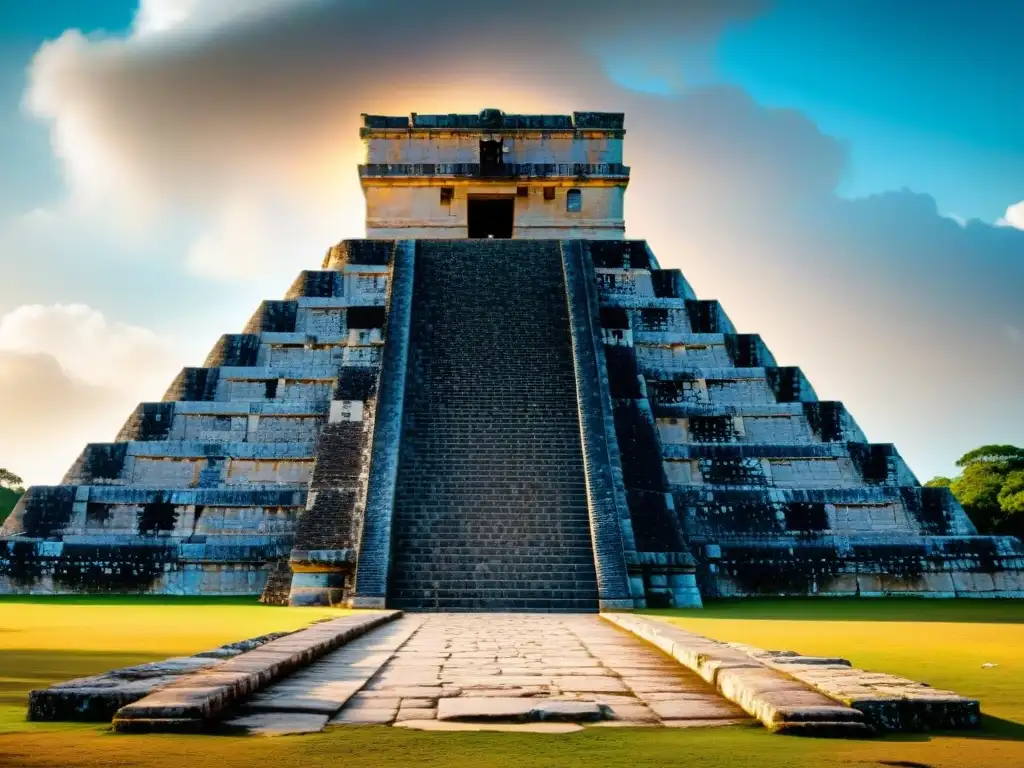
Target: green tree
<point>11,489</point>
<point>9,479</point>
<point>990,487</point>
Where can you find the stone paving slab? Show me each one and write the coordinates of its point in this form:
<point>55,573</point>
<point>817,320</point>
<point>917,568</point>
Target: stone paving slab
<point>518,671</point>
<point>96,698</point>
<point>366,716</point>
<point>780,702</point>
<point>267,724</point>
<point>337,680</point>
<point>535,708</point>
<point>888,702</point>
<point>459,669</point>
<point>192,703</point>
<point>448,725</point>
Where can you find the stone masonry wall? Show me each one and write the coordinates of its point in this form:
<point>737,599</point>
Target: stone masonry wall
<point>200,493</point>
<point>775,491</point>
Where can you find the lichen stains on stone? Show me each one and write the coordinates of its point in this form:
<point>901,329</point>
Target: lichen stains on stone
<point>20,561</point>
<point>157,516</point>
<point>128,568</point>
<point>871,460</point>
<point>48,510</point>
<point>774,569</point>
<point>825,419</point>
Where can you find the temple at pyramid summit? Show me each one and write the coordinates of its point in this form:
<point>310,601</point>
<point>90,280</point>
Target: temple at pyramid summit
<point>495,402</point>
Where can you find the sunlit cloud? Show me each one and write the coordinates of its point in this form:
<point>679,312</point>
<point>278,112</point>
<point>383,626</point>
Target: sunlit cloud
<point>1014,216</point>
<point>68,375</point>
<point>241,120</point>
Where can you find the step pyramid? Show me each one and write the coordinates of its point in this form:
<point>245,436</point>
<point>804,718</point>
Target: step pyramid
<point>499,425</point>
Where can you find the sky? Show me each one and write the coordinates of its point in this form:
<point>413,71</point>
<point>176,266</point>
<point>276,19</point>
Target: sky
<point>847,178</point>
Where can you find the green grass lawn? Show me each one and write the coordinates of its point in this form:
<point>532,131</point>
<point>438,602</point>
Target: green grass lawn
<point>46,640</point>
<point>943,643</point>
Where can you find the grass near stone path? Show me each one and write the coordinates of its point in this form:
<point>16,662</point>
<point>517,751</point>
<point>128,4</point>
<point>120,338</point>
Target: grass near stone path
<point>43,640</point>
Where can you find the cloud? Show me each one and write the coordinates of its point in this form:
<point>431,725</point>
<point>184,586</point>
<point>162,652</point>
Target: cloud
<point>247,124</point>
<point>70,376</point>
<point>187,119</point>
<point>250,239</point>
<point>162,16</point>
<point>90,347</point>
<point>1014,216</point>
<point>210,101</point>
<point>46,416</point>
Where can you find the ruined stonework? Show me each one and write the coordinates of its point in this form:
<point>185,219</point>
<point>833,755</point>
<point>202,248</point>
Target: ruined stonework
<point>534,417</point>
<point>772,490</point>
<point>427,176</point>
<point>257,453</point>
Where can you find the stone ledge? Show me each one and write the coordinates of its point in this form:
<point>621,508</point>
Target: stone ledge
<point>782,703</point>
<point>96,698</point>
<point>889,703</point>
<point>516,709</point>
<point>191,704</point>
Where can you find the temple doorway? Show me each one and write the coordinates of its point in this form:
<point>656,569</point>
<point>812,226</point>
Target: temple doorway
<point>491,216</point>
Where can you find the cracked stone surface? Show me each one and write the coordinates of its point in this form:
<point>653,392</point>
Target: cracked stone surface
<point>279,724</point>
<point>494,670</point>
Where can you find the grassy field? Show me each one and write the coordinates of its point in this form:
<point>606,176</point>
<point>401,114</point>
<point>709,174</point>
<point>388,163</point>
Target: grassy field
<point>45,640</point>
<point>944,643</point>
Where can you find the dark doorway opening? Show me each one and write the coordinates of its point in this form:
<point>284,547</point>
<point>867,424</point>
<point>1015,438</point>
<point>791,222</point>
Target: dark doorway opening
<point>492,158</point>
<point>491,216</point>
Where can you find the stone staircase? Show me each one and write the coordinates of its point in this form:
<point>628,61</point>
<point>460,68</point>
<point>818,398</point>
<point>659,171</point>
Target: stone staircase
<point>491,507</point>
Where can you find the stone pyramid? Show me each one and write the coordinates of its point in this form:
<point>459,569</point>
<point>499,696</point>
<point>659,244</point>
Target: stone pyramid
<point>539,420</point>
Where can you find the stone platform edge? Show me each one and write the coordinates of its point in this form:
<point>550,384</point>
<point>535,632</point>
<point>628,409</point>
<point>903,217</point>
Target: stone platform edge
<point>193,703</point>
<point>96,698</point>
<point>889,703</point>
<point>886,703</point>
<point>780,702</point>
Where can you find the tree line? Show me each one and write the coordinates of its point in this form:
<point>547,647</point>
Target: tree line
<point>11,489</point>
<point>990,487</point>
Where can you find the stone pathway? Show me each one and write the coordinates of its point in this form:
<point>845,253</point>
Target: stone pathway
<point>458,671</point>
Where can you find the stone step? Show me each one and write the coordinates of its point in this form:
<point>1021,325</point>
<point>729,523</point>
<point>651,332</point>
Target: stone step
<point>477,708</point>
<point>526,490</point>
<point>496,600</point>
<point>324,687</point>
<point>491,542</point>
<point>888,703</point>
<point>434,568</point>
<point>195,702</point>
<point>473,559</point>
<point>561,590</point>
<point>491,466</point>
<point>468,580</point>
<point>538,519</point>
<point>469,583</point>
<point>459,586</point>
<point>567,533</point>
<point>474,604</point>
<point>782,703</point>
<point>485,510</point>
